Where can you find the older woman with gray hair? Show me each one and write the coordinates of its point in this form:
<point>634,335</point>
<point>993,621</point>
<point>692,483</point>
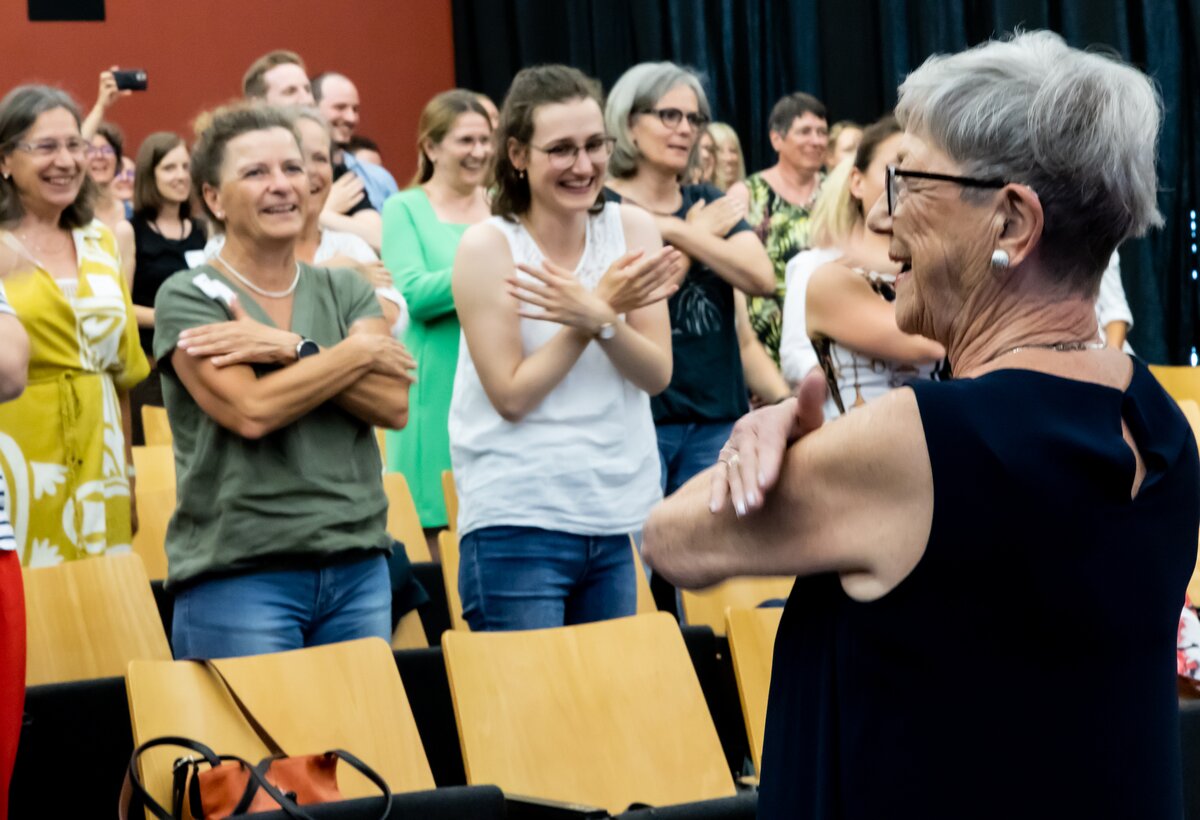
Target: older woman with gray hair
<point>656,112</point>
<point>1051,476</point>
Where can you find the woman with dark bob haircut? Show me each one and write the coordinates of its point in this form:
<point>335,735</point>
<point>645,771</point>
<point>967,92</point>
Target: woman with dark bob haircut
<point>279,538</point>
<point>64,445</point>
<point>993,566</point>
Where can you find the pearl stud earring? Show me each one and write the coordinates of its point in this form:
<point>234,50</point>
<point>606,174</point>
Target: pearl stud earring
<point>999,258</point>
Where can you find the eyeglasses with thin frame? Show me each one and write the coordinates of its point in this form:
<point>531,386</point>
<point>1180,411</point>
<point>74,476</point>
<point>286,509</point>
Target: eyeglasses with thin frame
<point>101,151</point>
<point>44,149</point>
<point>894,190</point>
<point>671,117</point>
<point>562,155</point>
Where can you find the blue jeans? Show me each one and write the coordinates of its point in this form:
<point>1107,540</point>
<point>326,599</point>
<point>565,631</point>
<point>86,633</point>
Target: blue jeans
<point>687,449</point>
<point>262,612</point>
<point>528,578</point>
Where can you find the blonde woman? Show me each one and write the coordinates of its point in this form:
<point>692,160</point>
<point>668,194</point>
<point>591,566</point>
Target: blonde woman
<point>840,293</point>
<point>729,164</point>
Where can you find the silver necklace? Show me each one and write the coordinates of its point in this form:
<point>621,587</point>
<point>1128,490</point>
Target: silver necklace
<point>270,294</point>
<point>1057,347</point>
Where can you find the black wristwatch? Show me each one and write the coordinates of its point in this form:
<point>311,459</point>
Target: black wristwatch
<point>307,347</point>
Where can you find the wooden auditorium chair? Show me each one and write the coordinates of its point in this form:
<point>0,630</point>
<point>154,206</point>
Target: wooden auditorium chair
<point>155,425</point>
<point>403,523</point>
<point>605,714</point>
<point>752,644</point>
<point>89,618</point>
<point>707,607</point>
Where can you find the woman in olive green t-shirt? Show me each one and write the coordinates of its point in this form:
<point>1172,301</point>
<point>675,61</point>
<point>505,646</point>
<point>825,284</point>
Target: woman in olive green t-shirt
<point>274,373</point>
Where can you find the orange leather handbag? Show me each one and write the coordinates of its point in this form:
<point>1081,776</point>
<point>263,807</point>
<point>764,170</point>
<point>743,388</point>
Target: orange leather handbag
<point>213,787</point>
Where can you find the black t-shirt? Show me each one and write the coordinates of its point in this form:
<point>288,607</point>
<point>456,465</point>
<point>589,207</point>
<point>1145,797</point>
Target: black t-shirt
<point>158,257</point>
<point>364,204</point>
<point>707,383</point>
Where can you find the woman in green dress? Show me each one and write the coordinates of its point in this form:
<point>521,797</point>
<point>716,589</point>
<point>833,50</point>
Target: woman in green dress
<point>421,229</point>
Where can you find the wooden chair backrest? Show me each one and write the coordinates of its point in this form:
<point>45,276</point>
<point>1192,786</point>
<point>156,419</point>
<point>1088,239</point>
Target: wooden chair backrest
<point>89,618</point>
<point>156,426</point>
<point>707,607</point>
<point>410,633</point>
<point>752,646</point>
<point>155,465</point>
<point>605,714</point>
<point>645,598</point>
<point>450,493</point>
<point>448,547</point>
<point>1191,410</point>
<point>381,440</point>
<point>1181,382</point>
<point>346,695</point>
<point>155,508</point>
<point>403,522</point>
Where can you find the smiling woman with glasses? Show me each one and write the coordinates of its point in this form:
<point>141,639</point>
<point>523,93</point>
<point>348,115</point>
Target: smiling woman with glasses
<point>656,111</point>
<point>561,299</point>
<point>64,444</point>
<point>1049,474</point>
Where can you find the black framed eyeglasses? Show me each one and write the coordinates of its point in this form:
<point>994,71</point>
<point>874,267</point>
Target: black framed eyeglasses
<point>562,155</point>
<point>671,117</point>
<point>894,173</point>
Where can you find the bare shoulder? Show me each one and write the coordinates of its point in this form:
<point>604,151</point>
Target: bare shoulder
<point>483,248</point>
<point>641,232</point>
<point>882,443</point>
<point>877,460</point>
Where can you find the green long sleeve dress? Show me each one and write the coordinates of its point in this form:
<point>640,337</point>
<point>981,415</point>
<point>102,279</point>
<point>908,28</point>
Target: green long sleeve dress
<point>419,250</point>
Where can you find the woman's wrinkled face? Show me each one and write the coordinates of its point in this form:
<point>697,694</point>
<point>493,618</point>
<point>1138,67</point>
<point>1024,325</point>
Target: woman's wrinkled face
<point>173,175</point>
<point>464,154</point>
<point>102,160</point>
<point>668,146</point>
<point>49,162</point>
<point>264,186</point>
<point>318,160</point>
<point>942,240</point>
<point>803,146</point>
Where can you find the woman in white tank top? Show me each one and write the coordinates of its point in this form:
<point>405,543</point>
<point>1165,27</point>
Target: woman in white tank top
<point>565,337</point>
<point>847,300</point>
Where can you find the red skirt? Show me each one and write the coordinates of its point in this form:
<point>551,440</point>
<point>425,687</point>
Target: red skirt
<point>12,668</point>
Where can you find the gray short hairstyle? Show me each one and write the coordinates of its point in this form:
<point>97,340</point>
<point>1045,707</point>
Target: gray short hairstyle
<point>1078,127</point>
<point>639,89</point>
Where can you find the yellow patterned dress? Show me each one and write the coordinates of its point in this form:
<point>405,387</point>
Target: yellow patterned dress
<point>62,447</point>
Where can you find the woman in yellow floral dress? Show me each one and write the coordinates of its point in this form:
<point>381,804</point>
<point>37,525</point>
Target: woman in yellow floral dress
<point>64,443</point>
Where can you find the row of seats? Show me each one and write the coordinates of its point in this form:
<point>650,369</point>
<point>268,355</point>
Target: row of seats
<point>538,713</point>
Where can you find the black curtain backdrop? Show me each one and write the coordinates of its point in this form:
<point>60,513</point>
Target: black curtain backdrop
<point>853,54</point>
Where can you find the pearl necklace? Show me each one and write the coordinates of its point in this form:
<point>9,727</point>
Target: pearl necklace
<point>1057,347</point>
<point>270,294</point>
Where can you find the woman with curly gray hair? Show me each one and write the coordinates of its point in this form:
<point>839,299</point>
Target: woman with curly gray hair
<point>1050,474</point>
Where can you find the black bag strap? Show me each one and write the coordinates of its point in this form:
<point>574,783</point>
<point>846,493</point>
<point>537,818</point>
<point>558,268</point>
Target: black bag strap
<point>260,730</point>
<point>133,783</point>
<point>372,775</point>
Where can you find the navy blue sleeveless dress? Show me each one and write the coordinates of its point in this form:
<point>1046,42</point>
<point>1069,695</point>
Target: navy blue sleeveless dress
<point>1026,667</point>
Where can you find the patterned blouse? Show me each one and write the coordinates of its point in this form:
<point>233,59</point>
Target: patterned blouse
<point>783,228</point>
